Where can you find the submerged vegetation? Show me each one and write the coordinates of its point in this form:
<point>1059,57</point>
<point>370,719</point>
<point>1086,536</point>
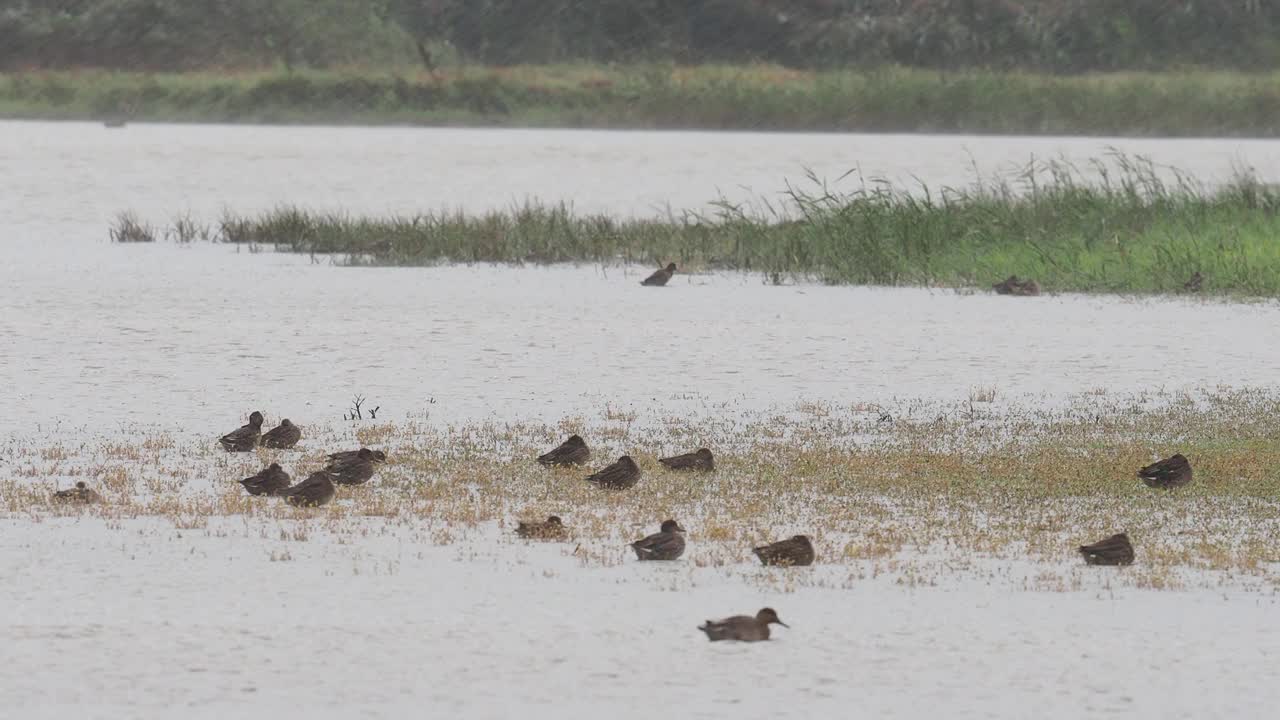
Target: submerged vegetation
<point>913,489</point>
<point>761,97</point>
<point>1128,227</point>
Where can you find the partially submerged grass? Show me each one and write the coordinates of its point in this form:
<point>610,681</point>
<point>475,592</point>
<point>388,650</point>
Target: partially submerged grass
<point>932,490</point>
<point>758,97</point>
<point>1124,226</point>
<point>127,228</point>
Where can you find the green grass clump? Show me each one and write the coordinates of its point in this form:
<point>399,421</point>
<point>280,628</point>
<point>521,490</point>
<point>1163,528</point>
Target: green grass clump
<point>760,97</point>
<point>1137,230</point>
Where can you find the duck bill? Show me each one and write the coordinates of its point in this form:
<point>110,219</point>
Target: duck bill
<point>784,625</point>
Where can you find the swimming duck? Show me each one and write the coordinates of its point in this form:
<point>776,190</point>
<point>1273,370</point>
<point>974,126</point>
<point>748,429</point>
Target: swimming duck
<point>356,471</point>
<point>80,494</point>
<point>666,544</point>
<point>1115,550</point>
<point>794,552</point>
<point>660,278</point>
<point>269,481</point>
<point>245,438</point>
<point>284,436</point>
<point>621,475</point>
<point>552,529</point>
<point>570,452</point>
<point>349,455</point>
<point>742,627</point>
<point>316,490</point>
<point>1169,473</point>
<point>700,460</point>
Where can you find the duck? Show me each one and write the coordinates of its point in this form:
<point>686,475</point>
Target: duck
<point>660,277</point>
<point>552,529</point>
<point>316,490</point>
<point>348,455</point>
<point>269,481</point>
<point>283,436</point>
<point>1013,286</point>
<point>1195,284</point>
<point>80,494</point>
<point>743,628</point>
<point>620,475</point>
<point>244,438</point>
<point>700,460</point>
<point>666,544</point>
<point>795,552</point>
<point>1168,473</point>
<point>356,471</point>
<point>573,451</point>
<point>1115,550</point>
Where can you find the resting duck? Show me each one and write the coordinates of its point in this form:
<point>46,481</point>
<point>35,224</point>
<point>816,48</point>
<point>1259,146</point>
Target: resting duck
<point>794,552</point>
<point>620,475</point>
<point>1169,473</point>
<point>357,471</point>
<point>1115,550</point>
<point>666,544</point>
<point>702,461</point>
<point>552,529</point>
<point>660,278</point>
<point>269,481</point>
<point>283,436</point>
<point>742,627</point>
<point>316,490</point>
<point>80,494</point>
<point>245,438</point>
<point>570,452</point>
<point>349,455</point>
<point>1013,286</point>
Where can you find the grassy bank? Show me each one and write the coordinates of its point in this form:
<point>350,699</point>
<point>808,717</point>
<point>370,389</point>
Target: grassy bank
<point>920,495</point>
<point>1137,230</point>
<point>667,96</point>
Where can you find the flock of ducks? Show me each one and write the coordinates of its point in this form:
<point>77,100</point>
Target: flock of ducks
<point>356,467</point>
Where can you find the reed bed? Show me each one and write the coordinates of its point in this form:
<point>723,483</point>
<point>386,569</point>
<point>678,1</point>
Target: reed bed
<point>1121,225</point>
<point>916,489</point>
<point>755,97</point>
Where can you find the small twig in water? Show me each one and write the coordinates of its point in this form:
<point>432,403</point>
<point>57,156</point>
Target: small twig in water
<point>373,414</point>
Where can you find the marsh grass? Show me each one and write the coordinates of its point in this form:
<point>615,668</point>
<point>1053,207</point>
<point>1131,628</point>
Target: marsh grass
<point>1121,224</point>
<point>663,95</point>
<point>127,228</point>
<point>932,492</point>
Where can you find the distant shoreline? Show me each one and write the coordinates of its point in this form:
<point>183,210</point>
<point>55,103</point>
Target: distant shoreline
<point>665,97</point>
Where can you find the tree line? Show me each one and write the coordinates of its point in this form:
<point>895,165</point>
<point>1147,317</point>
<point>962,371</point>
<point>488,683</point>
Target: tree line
<point>1062,36</point>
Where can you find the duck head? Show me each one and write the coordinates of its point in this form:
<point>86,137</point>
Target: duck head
<point>671,526</point>
<point>703,453</point>
<point>627,462</point>
<point>554,520</point>
<point>671,267</point>
<point>768,615</point>
<point>575,441</point>
<point>365,454</point>
<point>255,419</point>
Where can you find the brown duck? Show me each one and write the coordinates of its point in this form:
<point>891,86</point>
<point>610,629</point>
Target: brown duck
<point>356,471</point>
<point>666,544</point>
<point>269,481</point>
<point>552,529</point>
<point>794,552</point>
<point>316,490</point>
<point>1013,286</point>
<point>570,452</point>
<point>1115,550</point>
<point>661,277</point>
<point>283,436</point>
<point>80,494</point>
<point>244,438</point>
<point>1169,473</point>
<point>702,461</point>
<point>621,475</point>
<point>742,627</point>
<point>348,455</point>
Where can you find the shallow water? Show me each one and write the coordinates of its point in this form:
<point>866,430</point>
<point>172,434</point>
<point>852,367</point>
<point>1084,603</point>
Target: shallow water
<point>63,180</point>
<point>197,336</point>
<point>114,616</point>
